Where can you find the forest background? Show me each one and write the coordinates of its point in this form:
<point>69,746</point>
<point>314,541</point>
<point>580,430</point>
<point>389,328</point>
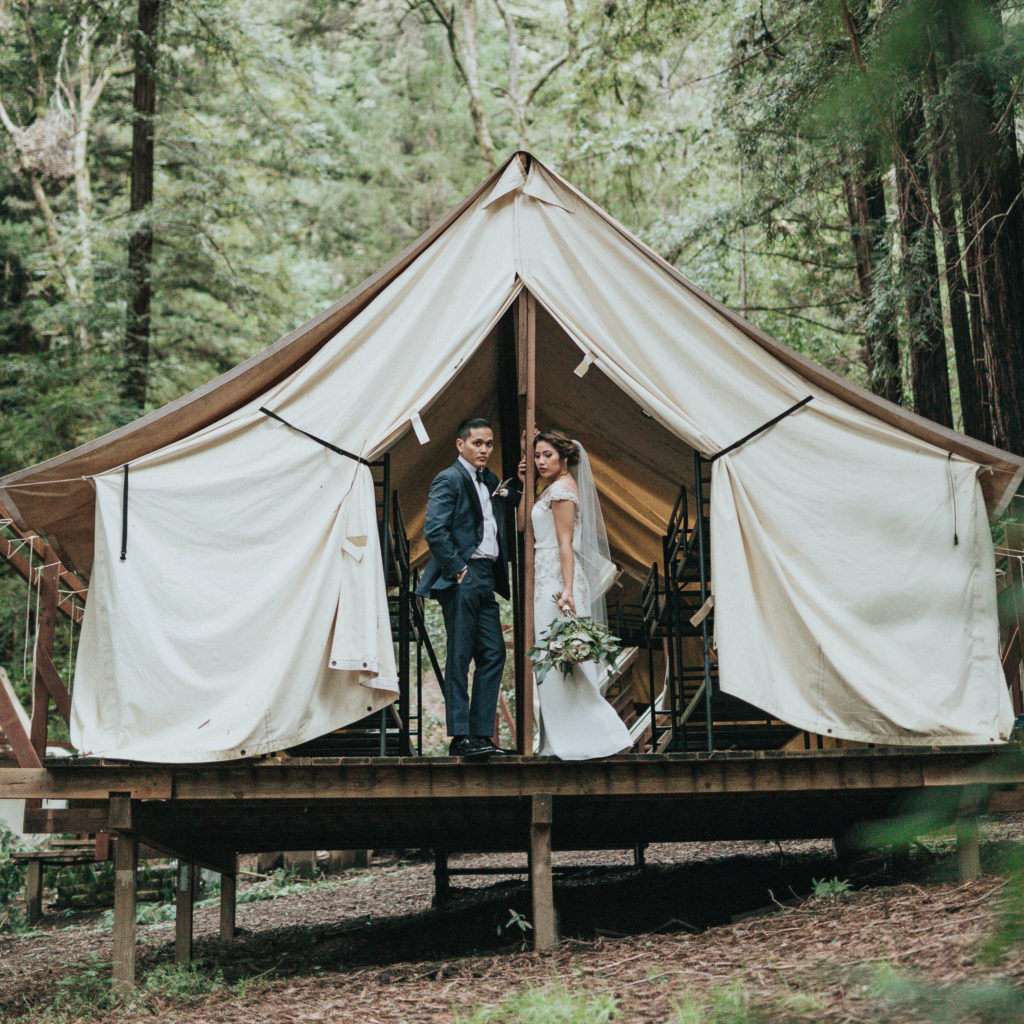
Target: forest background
<point>183,183</point>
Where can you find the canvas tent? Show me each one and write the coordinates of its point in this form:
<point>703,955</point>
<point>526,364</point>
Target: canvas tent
<point>249,613</point>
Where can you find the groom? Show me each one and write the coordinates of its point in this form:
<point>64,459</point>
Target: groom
<point>464,530</point>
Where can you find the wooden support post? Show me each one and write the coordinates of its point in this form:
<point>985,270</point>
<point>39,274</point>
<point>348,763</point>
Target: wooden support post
<point>45,631</point>
<point>228,904</point>
<point>526,348</point>
<point>442,880</point>
<point>126,862</point>
<point>901,856</point>
<point>1013,666</point>
<point>511,453</point>
<point>34,891</point>
<point>302,861</point>
<point>184,906</point>
<point>968,850</point>
<point>342,860</point>
<point>545,935</point>
<point>639,860</point>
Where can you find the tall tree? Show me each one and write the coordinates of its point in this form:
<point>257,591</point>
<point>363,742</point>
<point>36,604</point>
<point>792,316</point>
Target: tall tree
<point>140,242</point>
<point>990,177</point>
<point>865,204</point>
<point>929,369</point>
<point>974,385</point>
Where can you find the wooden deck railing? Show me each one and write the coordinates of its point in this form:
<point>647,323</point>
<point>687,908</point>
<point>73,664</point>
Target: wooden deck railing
<point>58,590</point>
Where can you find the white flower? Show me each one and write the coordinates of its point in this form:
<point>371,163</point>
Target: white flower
<point>556,645</point>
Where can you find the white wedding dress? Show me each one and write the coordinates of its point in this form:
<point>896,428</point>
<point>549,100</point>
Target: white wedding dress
<point>576,722</point>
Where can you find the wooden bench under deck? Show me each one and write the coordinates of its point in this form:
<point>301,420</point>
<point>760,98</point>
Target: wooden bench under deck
<point>80,850</point>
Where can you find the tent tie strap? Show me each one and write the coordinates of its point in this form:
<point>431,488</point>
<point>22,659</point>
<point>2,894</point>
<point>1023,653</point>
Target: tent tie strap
<point>124,515</point>
<point>313,437</point>
<point>761,429</point>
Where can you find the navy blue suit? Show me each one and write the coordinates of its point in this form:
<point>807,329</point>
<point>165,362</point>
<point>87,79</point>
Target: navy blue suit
<point>453,529</point>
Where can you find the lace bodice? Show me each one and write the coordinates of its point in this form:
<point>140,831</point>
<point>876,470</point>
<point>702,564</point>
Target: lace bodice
<point>547,563</point>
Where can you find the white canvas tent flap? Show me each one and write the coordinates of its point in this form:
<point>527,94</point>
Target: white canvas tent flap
<point>842,603</point>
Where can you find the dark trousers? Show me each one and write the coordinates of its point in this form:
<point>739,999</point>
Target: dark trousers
<point>473,626</point>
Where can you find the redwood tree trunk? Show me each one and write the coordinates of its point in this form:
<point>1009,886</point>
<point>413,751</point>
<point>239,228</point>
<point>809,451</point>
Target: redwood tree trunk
<point>865,204</point>
<point>993,226</point>
<point>971,377</point>
<point>140,242</point>
<point>929,368</point>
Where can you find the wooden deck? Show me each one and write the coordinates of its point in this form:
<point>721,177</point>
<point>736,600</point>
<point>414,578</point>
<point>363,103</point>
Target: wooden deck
<point>336,803</point>
<point>207,814</point>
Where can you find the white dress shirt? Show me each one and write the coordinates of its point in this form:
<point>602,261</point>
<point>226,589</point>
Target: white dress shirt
<point>489,545</point>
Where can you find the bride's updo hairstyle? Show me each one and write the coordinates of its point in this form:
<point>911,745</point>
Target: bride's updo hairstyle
<point>562,443</point>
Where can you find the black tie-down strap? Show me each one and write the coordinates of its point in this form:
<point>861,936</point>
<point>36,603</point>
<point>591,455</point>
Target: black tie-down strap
<point>313,437</point>
<point>761,429</point>
<point>124,515</point>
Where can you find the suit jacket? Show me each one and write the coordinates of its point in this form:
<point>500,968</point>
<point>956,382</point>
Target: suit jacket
<point>454,528</point>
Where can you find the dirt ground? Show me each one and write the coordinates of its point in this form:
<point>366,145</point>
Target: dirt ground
<point>368,947</point>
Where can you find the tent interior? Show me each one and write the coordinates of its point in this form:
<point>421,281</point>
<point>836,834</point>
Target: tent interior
<point>639,466</point>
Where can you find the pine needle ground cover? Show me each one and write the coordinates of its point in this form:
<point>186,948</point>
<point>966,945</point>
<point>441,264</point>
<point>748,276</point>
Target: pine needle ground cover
<point>918,946</point>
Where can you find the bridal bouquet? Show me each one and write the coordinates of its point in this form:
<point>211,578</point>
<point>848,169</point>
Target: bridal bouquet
<point>571,640</point>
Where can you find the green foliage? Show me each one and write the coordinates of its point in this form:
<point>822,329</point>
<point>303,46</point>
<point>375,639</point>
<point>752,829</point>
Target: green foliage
<point>833,889</point>
<point>733,1003</point>
<point>550,1004</point>
<point>88,992</point>
<point>12,881</point>
<point>522,925</point>
<point>1008,935</point>
<point>906,994</point>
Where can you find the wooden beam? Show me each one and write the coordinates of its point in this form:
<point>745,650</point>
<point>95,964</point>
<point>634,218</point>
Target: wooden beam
<point>121,817</point>
<point>55,820</point>
<point>184,907</point>
<point>126,862</point>
<point>52,679</point>
<point>228,904</point>
<point>45,631</point>
<point>652,775</point>
<point>34,891</point>
<point>526,343</point>
<point>511,453</point>
<point>545,934</point>
<point>15,724</point>
<point>97,784</point>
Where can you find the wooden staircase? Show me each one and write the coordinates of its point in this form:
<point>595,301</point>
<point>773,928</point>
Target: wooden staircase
<point>693,712</point>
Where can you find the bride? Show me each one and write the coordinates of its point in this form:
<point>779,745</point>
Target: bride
<point>572,569</point>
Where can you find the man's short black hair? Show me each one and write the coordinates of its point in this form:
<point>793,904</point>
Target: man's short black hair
<point>466,427</point>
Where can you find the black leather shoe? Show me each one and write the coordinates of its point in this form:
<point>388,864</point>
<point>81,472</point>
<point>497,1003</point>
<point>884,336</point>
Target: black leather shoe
<point>492,748</point>
<point>468,747</point>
